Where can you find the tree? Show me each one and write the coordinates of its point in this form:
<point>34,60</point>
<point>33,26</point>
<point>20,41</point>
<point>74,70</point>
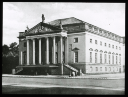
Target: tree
<point>10,57</point>
<point>14,49</point>
<point>5,50</point>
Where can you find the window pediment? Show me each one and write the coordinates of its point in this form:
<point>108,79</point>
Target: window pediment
<point>75,49</point>
<point>91,49</point>
<point>105,51</point>
<point>96,50</point>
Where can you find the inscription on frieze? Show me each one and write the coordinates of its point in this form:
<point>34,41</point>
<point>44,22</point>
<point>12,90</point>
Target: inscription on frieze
<point>40,29</point>
<point>74,28</point>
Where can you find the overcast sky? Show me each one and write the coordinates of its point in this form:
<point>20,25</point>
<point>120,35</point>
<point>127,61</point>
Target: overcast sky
<point>17,15</point>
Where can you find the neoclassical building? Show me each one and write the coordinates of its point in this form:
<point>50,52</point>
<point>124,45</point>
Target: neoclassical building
<point>65,45</point>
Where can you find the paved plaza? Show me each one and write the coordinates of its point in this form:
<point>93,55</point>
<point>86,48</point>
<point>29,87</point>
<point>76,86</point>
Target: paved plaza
<point>16,84</point>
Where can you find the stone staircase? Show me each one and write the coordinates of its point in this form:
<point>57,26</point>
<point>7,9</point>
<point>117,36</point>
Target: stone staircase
<point>71,68</point>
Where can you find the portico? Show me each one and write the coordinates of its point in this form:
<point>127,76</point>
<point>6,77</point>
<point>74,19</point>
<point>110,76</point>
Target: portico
<point>52,41</point>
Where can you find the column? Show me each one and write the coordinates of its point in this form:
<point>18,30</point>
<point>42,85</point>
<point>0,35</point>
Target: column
<point>21,58</point>
<point>27,52</point>
<point>61,45</point>
<point>33,51</point>
<point>54,53</point>
<point>47,50</point>
<point>40,51</point>
<point>66,50</point>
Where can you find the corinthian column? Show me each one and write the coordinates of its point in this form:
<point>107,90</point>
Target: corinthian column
<point>54,50</point>
<point>39,50</point>
<point>27,52</point>
<point>33,51</point>
<point>47,50</point>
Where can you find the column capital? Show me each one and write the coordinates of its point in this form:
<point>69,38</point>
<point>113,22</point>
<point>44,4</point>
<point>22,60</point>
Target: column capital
<point>39,37</point>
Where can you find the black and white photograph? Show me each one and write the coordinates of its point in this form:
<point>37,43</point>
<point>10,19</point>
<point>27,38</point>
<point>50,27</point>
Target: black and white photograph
<point>75,48</point>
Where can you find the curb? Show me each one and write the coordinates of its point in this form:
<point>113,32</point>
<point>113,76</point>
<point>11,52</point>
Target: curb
<point>84,78</point>
<point>62,77</point>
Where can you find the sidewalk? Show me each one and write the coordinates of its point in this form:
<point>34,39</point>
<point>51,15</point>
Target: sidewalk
<point>96,76</point>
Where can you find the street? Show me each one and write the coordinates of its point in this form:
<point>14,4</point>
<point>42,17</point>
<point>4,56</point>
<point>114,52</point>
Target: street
<point>16,85</point>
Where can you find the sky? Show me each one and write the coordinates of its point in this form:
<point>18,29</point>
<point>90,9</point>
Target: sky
<point>18,15</point>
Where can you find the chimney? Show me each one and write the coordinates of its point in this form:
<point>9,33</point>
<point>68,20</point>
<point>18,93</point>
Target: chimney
<point>43,18</point>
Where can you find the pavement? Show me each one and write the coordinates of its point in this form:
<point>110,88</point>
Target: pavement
<point>96,76</point>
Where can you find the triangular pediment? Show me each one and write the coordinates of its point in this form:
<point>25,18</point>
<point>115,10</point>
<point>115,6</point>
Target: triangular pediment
<point>42,27</point>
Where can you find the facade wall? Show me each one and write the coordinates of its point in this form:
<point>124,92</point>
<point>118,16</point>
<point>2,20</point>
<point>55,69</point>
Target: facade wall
<point>80,45</point>
<point>103,48</point>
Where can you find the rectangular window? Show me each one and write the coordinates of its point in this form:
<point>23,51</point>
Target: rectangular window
<point>119,48</point>
<point>112,46</point>
<point>90,40</point>
<point>110,68</point>
<point>96,68</point>
<point>95,57</point>
<point>100,43</point>
<point>76,57</point>
<point>100,58</point>
<point>109,45</point>
<point>90,57</point>
<point>95,41</point>
<point>75,40</point>
<point>105,44</point>
<point>116,47</point>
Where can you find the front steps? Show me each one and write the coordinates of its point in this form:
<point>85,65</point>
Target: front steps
<point>71,68</point>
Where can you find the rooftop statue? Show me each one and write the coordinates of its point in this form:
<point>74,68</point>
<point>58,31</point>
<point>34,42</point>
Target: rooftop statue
<point>43,18</point>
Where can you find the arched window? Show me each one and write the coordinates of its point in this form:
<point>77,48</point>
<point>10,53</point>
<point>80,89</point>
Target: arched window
<point>95,57</point>
<point>116,60</point>
<point>90,57</point>
<point>100,58</point>
<point>105,58</point>
<point>112,59</point>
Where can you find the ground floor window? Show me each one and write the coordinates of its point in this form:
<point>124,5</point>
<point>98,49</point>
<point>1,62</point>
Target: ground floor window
<point>110,68</point>
<point>75,57</point>
<point>96,68</point>
<point>105,68</point>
